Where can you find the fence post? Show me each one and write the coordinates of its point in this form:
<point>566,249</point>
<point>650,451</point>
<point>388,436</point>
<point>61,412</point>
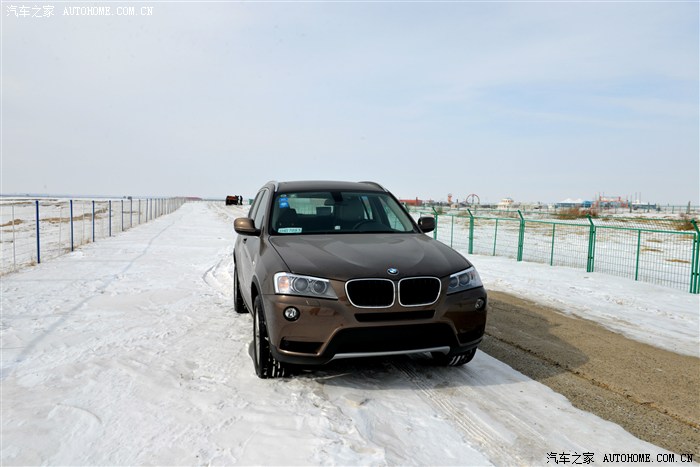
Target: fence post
<point>139,211</point>
<point>93,221</point>
<point>639,245</point>
<point>551,256</point>
<point>695,261</point>
<point>14,241</point>
<point>131,212</point>
<point>122,215</point>
<point>521,236</point>
<point>452,230</point>
<point>110,217</point>
<point>38,243</point>
<point>437,217</point>
<point>495,237</point>
<point>83,236</point>
<point>72,234</point>
<point>471,232</point>
<point>590,264</point>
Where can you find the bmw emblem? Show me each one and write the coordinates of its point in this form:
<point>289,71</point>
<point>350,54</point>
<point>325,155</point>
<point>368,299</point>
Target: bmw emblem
<point>392,271</point>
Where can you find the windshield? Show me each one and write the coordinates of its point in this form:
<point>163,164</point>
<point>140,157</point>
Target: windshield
<point>337,212</point>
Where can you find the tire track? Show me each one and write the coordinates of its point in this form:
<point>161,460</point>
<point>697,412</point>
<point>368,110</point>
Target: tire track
<point>500,446</point>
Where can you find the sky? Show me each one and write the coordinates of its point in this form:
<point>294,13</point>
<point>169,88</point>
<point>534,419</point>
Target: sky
<point>537,101</point>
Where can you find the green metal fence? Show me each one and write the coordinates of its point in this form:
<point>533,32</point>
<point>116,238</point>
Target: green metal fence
<point>659,251</point>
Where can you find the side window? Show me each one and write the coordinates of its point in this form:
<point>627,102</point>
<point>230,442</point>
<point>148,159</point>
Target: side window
<point>261,212</point>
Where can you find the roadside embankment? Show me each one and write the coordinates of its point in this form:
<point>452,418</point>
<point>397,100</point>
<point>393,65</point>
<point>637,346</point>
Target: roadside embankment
<point>652,393</point>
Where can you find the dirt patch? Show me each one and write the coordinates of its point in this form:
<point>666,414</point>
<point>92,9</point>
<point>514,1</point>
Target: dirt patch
<point>651,393</point>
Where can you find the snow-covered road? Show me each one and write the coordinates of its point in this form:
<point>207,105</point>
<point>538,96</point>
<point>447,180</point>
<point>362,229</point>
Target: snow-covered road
<point>128,352</point>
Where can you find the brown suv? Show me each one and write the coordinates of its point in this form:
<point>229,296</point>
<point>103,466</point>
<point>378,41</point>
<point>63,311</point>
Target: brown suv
<point>337,270</point>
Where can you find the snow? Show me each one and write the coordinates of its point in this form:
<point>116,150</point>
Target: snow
<point>127,351</point>
<point>660,316</point>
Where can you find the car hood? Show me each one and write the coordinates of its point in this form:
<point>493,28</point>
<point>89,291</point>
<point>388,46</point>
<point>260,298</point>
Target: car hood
<point>347,256</point>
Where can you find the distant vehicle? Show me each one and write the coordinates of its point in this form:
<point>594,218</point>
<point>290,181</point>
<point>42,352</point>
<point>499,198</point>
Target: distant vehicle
<point>335,270</point>
<point>231,200</point>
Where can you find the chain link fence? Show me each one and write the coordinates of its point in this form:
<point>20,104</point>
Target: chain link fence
<point>34,230</point>
<point>659,251</point>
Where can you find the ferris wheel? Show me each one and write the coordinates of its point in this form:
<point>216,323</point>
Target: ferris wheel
<point>473,199</point>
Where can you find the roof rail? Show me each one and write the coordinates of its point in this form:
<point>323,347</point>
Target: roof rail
<point>276,183</point>
<point>373,183</point>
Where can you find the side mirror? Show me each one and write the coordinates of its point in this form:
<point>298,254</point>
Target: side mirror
<point>426,224</point>
<point>245,226</point>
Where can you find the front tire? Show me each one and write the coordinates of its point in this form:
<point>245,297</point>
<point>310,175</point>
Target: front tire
<point>442,359</point>
<point>266,366</point>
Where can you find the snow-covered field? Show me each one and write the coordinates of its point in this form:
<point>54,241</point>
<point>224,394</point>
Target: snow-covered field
<point>127,351</point>
<point>656,315</point>
<point>92,220</point>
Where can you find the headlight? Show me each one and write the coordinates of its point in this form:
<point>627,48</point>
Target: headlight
<point>464,280</point>
<point>307,286</point>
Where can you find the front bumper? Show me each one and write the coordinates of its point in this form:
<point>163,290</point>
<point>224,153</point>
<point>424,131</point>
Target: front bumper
<point>334,329</point>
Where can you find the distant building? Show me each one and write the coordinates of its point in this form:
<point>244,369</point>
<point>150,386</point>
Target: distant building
<point>574,203</point>
<point>412,202</point>
<point>506,203</point>
<point>645,206</point>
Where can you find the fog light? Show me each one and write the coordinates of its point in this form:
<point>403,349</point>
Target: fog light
<point>291,314</point>
<point>479,304</point>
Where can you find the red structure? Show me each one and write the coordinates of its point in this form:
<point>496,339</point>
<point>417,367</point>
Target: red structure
<point>606,202</point>
<point>473,199</point>
<point>412,202</point>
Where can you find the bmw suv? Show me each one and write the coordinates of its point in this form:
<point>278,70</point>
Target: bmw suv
<point>334,270</point>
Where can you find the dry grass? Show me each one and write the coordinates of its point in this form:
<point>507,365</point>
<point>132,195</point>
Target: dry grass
<point>682,261</point>
<point>55,220</point>
<point>12,222</point>
<point>684,225</point>
<point>576,213</point>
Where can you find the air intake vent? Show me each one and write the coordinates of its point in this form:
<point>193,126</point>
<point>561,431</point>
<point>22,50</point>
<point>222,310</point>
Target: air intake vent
<point>379,316</point>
